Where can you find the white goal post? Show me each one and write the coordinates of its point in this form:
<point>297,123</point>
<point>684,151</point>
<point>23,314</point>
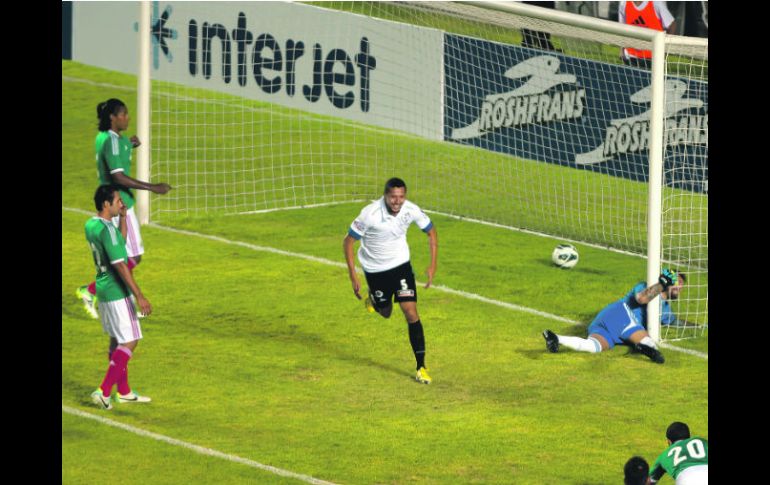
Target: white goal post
<point>318,104</point>
<point>143,112</point>
<point>657,110</point>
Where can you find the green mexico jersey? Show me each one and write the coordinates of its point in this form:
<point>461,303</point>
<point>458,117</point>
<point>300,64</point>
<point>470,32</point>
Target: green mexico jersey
<point>107,246</point>
<point>679,456</point>
<point>113,154</point>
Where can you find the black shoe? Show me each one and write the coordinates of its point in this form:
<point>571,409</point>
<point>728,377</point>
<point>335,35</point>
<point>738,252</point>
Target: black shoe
<point>551,341</point>
<point>653,354</point>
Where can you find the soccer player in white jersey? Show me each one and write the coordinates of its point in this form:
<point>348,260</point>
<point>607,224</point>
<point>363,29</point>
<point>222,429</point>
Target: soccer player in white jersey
<point>113,165</point>
<point>384,256</point>
<point>114,286</point>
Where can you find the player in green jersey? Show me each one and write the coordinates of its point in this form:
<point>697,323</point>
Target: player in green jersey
<point>114,286</point>
<point>686,459</point>
<point>113,164</point>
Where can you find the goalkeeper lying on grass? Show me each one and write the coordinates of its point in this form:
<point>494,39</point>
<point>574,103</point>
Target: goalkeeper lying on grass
<point>625,321</point>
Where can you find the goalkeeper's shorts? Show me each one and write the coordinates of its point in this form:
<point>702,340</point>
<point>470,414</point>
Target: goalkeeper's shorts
<point>616,323</point>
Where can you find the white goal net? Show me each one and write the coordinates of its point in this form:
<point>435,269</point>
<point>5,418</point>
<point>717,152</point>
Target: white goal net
<point>488,115</point>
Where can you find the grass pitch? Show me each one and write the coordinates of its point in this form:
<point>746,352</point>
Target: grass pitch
<point>271,358</point>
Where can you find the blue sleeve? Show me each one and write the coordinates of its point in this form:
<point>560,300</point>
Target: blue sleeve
<point>354,234</point>
<point>428,227</point>
<point>631,295</point>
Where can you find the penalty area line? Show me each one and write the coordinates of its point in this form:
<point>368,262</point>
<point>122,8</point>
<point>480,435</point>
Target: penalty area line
<point>328,262</point>
<point>196,448</point>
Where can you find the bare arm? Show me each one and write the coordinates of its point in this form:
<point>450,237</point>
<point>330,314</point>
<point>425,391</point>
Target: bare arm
<point>122,222</point>
<point>671,28</point>
<point>645,296</point>
<point>433,241</point>
<point>127,277</point>
<point>132,183</point>
<point>347,246</point>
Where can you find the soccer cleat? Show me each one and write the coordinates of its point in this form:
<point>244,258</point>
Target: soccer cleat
<point>98,398</point>
<point>422,376</point>
<point>89,301</point>
<point>653,353</point>
<point>132,397</point>
<point>551,341</point>
<point>369,305</point>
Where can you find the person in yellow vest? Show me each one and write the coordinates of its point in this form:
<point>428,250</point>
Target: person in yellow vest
<point>650,15</point>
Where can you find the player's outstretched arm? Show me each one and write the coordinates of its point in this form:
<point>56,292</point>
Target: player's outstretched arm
<point>645,296</point>
<point>347,247</point>
<point>666,279</point>
<point>433,241</point>
<point>132,183</point>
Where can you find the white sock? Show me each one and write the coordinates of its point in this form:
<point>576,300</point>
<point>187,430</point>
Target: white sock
<point>649,342</point>
<point>580,344</point>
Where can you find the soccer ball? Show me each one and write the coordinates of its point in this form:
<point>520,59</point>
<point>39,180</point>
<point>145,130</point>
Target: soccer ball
<point>564,256</point>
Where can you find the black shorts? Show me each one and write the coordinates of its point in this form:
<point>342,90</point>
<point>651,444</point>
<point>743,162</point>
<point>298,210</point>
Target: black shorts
<point>396,284</point>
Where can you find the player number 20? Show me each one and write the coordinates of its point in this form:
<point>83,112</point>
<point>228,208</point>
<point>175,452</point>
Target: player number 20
<point>695,449</point>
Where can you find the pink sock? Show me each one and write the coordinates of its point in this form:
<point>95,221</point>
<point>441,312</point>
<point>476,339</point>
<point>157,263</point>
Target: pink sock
<point>116,369</point>
<point>92,288</point>
<point>123,386</point>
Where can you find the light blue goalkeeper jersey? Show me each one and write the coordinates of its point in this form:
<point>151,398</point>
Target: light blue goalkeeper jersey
<point>667,317</point>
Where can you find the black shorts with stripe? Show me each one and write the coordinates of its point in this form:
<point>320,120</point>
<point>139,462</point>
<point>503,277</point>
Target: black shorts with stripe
<point>395,284</point>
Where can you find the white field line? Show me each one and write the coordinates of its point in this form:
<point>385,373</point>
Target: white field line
<point>364,127</point>
<point>550,236</point>
<point>328,262</point>
<point>541,234</point>
<point>306,206</point>
<point>198,449</point>
<point>465,219</point>
<point>685,351</point>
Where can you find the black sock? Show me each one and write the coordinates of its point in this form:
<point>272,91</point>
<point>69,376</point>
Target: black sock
<point>417,339</point>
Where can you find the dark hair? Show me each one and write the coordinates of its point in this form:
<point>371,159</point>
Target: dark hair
<point>393,183</point>
<point>677,431</point>
<point>104,193</point>
<point>683,277</point>
<point>636,470</point>
<point>106,108</point>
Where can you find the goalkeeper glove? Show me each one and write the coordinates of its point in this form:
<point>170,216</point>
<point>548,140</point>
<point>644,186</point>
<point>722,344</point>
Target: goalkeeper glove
<point>667,278</point>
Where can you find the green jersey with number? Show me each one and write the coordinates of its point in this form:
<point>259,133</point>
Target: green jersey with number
<point>679,456</point>
<point>107,246</point>
<point>113,154</point>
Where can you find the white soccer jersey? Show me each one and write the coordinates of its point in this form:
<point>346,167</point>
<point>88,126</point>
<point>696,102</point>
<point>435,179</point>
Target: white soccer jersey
<point>383,236</point>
